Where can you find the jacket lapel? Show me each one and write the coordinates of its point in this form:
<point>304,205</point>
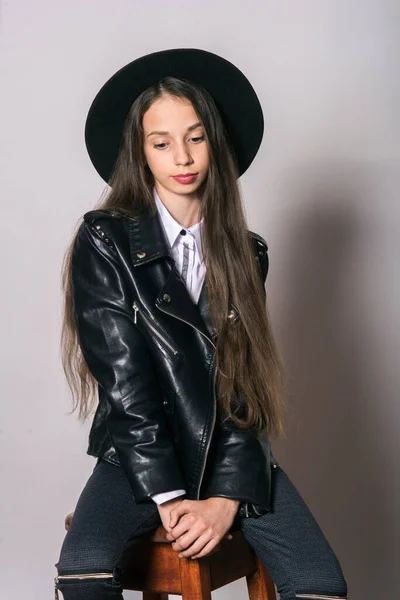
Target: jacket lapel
<point>202,306</point>
<point>148,242</point>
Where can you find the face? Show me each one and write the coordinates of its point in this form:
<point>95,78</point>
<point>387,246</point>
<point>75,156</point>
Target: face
<point>175,144</point>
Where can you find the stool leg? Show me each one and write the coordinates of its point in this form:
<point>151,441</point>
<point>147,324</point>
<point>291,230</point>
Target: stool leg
<point>153,596</point>
<point>195,578</point>
<point>260,584</point>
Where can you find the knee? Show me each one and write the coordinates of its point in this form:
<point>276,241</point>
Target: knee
<point>311,578</point>
<point>87,586</point>
<point>85,554</point>
<point>83,573</point>
<point>322,582</point>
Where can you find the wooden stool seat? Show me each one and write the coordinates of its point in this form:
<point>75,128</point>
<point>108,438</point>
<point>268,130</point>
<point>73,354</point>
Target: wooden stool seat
<point>151,566</point>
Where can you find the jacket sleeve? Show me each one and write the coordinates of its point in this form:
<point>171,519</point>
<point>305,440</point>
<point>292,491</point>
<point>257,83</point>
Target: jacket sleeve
<point>239,467</point>
<point>118,357</point>
<point>237,452</point>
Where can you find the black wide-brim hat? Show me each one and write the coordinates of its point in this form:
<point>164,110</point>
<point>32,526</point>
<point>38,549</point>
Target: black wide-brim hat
<point>232,93</point>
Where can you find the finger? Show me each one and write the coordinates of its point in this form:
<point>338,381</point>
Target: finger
<point>196,546</point>
<point>180,529</point>
<point>185,541</point>
<point>177,512</point>
<point>217,547</point>
<point>207,549</point>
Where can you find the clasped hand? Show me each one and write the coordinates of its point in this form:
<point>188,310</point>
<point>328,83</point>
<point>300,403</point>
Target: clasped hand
<point>198,526</point>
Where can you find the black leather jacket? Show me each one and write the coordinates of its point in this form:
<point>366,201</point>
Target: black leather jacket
<point>152,351</point>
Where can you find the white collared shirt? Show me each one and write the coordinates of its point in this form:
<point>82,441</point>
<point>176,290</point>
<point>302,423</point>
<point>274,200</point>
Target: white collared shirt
<point>186,249</point>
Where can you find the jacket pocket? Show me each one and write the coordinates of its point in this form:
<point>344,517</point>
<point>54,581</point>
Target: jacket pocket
<point>142,318</point>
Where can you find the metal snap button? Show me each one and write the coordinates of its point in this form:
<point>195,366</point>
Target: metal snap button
<point>232,314</point>
<point>141,254</point>
<point>166,298</point>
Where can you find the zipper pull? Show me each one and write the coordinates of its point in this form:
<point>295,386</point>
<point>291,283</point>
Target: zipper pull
<point>135,308</point>
<point>56,597</point>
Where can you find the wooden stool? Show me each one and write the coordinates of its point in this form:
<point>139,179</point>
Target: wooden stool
<point>152,566</point>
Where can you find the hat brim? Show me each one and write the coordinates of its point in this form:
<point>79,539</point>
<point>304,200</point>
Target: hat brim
<point>232,92</point>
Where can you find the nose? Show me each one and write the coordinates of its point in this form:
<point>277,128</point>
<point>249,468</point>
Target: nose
<point>182,155</point>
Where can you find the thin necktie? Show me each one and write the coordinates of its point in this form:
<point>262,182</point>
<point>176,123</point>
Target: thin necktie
<point>185,261</point>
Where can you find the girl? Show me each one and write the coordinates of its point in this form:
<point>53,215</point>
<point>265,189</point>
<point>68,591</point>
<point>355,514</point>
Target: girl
<point>165,318</point>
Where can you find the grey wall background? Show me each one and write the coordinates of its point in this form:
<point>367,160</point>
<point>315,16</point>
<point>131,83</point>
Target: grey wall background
<point>323,191</point>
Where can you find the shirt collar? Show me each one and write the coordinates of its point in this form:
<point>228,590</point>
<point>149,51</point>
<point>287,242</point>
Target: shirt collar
<point>173,228</point>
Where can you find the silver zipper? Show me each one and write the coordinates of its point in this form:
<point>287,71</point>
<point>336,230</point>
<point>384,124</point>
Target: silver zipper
<point>153,328</point>
<point>187,322</point>
<point>321,597</point>
<point>81,576</point>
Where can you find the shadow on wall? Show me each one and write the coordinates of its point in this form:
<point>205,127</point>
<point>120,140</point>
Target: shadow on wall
<point>333,453</point>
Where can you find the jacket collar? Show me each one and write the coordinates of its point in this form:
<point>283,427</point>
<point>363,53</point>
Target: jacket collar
<point>148,241</point>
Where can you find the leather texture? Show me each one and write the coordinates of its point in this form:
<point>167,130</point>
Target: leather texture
<point>152,351</point>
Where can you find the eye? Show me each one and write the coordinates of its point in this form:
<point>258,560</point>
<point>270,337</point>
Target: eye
<point>201,138</point>
<point>163,145</point>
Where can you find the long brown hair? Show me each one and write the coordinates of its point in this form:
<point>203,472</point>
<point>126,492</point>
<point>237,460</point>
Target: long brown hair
<point>250,382</point>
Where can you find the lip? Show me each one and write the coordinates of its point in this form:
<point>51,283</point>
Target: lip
<point>186,178</point>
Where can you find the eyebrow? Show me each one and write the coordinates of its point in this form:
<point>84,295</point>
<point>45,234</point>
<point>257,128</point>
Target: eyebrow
<point>195,126</point>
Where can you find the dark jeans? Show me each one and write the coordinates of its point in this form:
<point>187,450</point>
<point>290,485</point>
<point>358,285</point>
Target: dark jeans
<point>288,540</point>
